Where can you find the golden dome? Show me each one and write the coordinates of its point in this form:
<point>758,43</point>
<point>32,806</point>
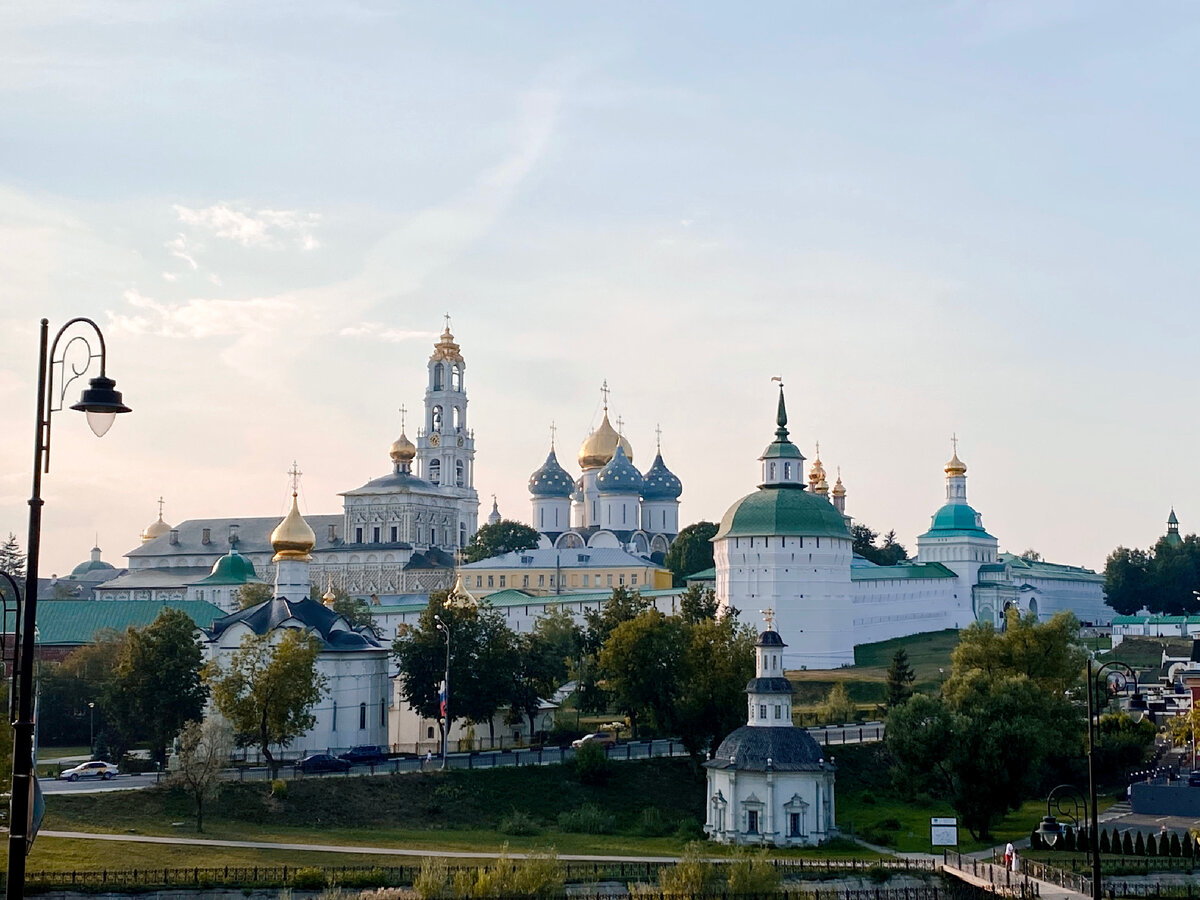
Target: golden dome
<point>155,529</point>
<point>839,489</point>
<point>956,466</point>
<point>292,538</point>
<point>328,597</point>
<point>816,472</point>
<point>822,487</point>
<point>599,447</point>
<point>402,450</point>
<point>445,348</point>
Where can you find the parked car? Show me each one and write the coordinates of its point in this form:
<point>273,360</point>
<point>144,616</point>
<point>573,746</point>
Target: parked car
<point>365,756</point>
<point>322,762</point>
<point>1194,779</point>
<point>96,768</point>
<point>603,738</point>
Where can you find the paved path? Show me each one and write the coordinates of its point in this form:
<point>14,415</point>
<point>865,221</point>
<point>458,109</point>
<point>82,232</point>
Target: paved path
<point>332,848</point>
<point>994,877</point>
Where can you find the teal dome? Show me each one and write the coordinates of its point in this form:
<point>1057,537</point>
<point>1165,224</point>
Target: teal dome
<point>232,568</point>
<point>620,476</point>
<point>551,480</point>
<point>92,565</point>
<point>957,517</point>
<point>660,482</point>
<point>782,510</point>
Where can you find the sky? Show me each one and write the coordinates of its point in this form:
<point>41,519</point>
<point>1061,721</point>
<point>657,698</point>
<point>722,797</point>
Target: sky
<point>971,218</point>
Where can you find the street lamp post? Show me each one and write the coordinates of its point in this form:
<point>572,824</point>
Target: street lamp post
<point>1093,679</point>
<point>92,727</point>
<point>1050,829</point>
<point>16,624</point>
<point>445,630</point>
<point>100,401</point>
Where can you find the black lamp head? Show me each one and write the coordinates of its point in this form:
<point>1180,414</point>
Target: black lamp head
<point>101,401</point>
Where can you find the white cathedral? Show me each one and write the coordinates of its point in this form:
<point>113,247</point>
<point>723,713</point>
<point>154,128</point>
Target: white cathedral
<point>787,546</point>
<point>396,534</point>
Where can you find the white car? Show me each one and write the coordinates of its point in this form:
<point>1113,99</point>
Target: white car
<point>96,768</point>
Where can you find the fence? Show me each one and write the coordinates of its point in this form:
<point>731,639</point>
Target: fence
<point>575,872</point>
<point>999,879</point>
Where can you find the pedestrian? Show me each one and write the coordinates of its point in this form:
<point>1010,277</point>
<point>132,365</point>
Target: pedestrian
<point>428,757</point>
<point>1009,850</point>
<point>1015,865</point>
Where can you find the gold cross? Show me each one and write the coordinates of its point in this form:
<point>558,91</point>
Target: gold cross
<point>403,417</point>
<point>620,424</point>
<point>768,615</point>
<point>295,472</point>
<point>604,391</point>
<point>954,441</point>
<point>447,318</point>
<point>160,507</point>
<point>553,433</point>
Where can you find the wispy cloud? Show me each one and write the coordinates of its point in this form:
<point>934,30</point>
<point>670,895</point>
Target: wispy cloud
<point>267,228</point>
<point>378,332</point>
<point>199,317</point>
<point>178,247</point>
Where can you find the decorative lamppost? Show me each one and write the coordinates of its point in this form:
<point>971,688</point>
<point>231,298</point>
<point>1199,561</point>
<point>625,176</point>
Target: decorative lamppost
<point>16,625</point>
<point>1064,802</point>
<point>101,402</point>
<point>92,727</point>
<point>445,692</point>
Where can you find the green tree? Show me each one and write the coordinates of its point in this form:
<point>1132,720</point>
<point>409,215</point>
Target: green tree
<point>691,551</point>
<point>547,655</point>
<point>269,689</point>
<point>642,665</point>
<point>719,661</point>
<point>503,537</point>
<point>1174,576</point>
<point>698,604</point>
<point>157,680</point>
<point>838,707</point>
<point>12,560</point>
<point>900,678</point>
<point>889,553</point>
<point>623,605</point>
<point>355,610</point>
<point>203,753</point>
<point>253,594</point>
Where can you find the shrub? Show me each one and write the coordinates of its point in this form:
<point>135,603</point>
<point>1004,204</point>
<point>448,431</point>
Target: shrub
<point>866,798</point>
<point>1139,846</point>
<point>689,829</point>
<point>279,788</point>
<point>310,879</point>
<point>538,875</point>
<point>365,878</point>
<point>753,873</point>
<point>690,876</point>
<point>591,764</point>
<point>1127,844</point>
<point>433,881</point>
<point>588,819</point>
<point>1176,845</point>
<point>518,822</point>
<point>653,824</point>
<point>1105,845</point>
<point>890,824</point>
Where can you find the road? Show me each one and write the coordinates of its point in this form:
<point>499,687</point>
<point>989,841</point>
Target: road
<point>831,736</point>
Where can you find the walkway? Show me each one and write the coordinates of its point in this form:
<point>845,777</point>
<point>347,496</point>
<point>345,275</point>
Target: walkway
<point>996,878</point>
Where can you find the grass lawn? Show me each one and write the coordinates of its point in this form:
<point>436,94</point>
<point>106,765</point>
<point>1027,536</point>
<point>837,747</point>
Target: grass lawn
<point>45,753</point>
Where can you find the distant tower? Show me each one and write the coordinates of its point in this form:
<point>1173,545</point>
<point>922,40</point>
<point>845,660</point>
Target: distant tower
<point>494,515</point>
<point>956,536</point>
<point>660,496</point>
<point>550,488</point>
<point>839,494</point>
<point>1172,536</point>
<point>292,540</point>
<point>445,446</point>
<point>596,452</point>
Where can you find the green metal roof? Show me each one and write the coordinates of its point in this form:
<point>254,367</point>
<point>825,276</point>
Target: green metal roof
<point>957,519</point>
<point>787,510</point>
<point>782,450</point>
<point>905,570</point>
<point>232,568</point>
<point>515,597</point>
<point>1129,620</point>
<point>74,622</point>
<point>1041,569</point>
<point>93,565</point>
<point>709,574</point>
<point>1156,620</point>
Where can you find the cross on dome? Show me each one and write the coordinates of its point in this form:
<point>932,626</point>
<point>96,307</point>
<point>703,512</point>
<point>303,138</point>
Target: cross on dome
<point>768,615</point>
<point>954,442</point>
<point>658,436</point>
<point>620,425</point>
<point>160,507</point>
<point>604,391</point>
<point>295,474</point>
<point>446,316</point>
<point>403,417</point>
<point>553,433</point>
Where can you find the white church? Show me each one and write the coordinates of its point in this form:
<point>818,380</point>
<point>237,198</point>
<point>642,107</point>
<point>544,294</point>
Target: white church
<point>788,546</point>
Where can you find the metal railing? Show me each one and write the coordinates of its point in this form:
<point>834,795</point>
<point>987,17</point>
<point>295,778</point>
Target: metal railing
<point>1000,879</point>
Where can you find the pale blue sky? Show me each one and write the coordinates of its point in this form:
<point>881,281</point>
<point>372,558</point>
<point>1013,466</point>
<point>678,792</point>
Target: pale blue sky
<point>939,217</point>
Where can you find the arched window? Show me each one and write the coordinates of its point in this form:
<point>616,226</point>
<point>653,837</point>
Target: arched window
<point>362,716</point>
<point>772,471</point>
<point>459,473</point>
<point>456,416</point>
<point>435,471</point>
<point>382,712</point>
<point>437,377</point>
<point>787,471</point>
<point>435,419</point>
<point>456,378</point>
<point>462,534</point>
<point>429,732</point>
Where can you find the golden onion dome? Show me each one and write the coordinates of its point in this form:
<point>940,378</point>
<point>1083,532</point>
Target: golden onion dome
<point>839,489</point>
<point>328,598</point>
<point>292,538</point>
<point>598,448</point>
<point>956,466</point>
<point>402,450</point>
<point>822,487</point>
<point>155,529</point>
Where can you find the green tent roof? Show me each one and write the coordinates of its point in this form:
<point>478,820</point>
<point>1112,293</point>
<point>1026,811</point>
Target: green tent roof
<point>956,518</point>
<point>782,510</point>
<point>74,622</point>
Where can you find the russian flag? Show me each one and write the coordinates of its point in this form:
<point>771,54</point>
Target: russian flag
<point>442,699</point>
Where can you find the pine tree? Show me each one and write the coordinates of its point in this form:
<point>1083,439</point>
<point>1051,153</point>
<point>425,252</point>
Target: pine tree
<point>1105,846</point>
<point>1139,846</point>
<point>12,560</point>
<point>900,677</point>
<point>1151,845</point>
<point>1176,846</point>
<point>1127,845</point>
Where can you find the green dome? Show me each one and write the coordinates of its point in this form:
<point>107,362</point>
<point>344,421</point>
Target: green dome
<point>786,510</point>
<point>957,517</point>
<point>232,568</point>
<point>92,565</point>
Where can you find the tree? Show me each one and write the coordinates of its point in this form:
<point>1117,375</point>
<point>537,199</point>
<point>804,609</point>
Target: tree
<point>254,593</point>
<point>12,560</point>
<point>355,610</point>
<point>1030,554</point>
<point>547,654</point>
<point>1127,580</point>
<point>203,752</point>
<point>157,681</point>
<point>698,604</point>
<point>719,661</point>
<point>1004,711</point>
<point>503,537</point>
<point>691,551</point>
<point>900,678</point>
<point>642,665</point>
<point>839,707</point>
<point>622,606</point>
<point>889,553</point>
<point>269,689</point>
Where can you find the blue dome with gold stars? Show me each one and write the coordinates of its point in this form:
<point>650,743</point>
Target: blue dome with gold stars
<point>551,480</point>
<point>620,476</point>
<point>660,482</point>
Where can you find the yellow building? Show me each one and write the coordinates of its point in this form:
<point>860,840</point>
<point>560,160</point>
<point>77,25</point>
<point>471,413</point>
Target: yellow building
<point>556,571</point>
